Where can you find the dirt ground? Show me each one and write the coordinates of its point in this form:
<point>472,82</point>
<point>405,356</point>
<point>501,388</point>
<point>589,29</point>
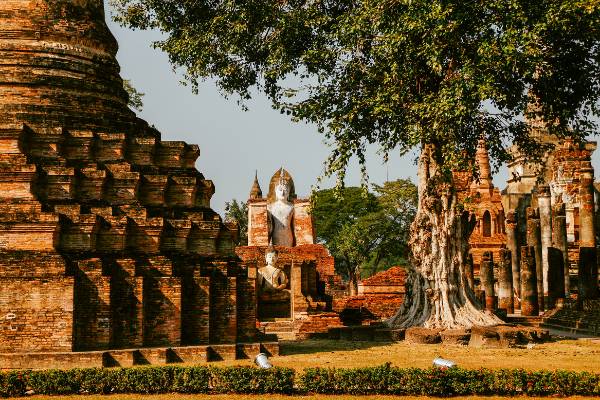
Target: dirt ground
<point>578,355</point>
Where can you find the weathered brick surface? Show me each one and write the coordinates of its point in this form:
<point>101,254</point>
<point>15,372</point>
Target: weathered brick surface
<point>37,314</point>
<point>92,314</point>
<point>162,311</point>
<point>379,298</point>
<point>107,238</point>
<point>196,309</point>
<point>223,311</point>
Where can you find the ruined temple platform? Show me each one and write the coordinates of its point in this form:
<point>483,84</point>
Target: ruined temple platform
<point>137,357</point>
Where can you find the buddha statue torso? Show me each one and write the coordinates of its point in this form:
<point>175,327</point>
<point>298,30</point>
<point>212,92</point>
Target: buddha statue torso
<point>281,217</point>
<point>271,278</point>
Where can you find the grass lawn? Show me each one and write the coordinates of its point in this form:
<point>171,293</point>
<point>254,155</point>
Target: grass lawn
<point>578,355</point>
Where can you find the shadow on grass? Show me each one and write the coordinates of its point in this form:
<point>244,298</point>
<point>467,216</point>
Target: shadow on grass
<point>314,346</point>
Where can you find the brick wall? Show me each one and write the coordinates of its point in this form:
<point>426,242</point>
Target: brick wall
<point>195,309</point>
<point>37,314</point>
<point>223,312</point>
<point>92,313</point>
<point>162,311</point>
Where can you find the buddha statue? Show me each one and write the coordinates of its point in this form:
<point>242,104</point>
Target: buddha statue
<point>271,278</point>
<point>280,213</point>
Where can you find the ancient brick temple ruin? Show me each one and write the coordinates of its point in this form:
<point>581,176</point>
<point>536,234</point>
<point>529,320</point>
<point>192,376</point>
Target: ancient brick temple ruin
<point>107,237</point>
<point>484,200</point>
<point>536,242</point>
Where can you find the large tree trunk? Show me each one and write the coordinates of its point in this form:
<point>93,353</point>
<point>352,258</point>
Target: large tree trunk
<point>353,274</point>
<point>437,293</point>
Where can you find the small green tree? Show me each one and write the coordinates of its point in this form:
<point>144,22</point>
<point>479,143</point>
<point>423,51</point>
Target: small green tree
<point>365,231</point>
<point>238,212</point>
<point>136,101</point>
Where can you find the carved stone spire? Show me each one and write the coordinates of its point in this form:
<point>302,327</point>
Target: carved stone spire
<point>256,191</point>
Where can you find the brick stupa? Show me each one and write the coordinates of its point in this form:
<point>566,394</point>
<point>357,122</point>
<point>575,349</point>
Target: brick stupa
<point>107,238</point>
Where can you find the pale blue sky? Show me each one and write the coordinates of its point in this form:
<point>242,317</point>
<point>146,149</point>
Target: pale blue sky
<point>235,143</point>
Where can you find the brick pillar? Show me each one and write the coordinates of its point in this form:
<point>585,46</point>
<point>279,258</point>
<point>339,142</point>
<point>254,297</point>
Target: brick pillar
<point>486,275</point>
<point>529,294</point>
<point>469,276</point>
<point>559,241</point>
<point>534,239</point>
<point>512,242</point>
<point>162,311</point>
<point>92,318</point>
<point>223,311</point>
<point>545,208</point>
<point>587,262</point>
<point>195,309</point>
<point>246,306</point>
<point>587,232</point>
<point>556,277</point>
<point>126,299</point>
<point>505,281</point>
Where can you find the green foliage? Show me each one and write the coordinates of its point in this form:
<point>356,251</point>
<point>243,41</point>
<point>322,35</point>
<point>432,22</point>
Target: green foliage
<point>191,380</point>
<point>12,384</point>
<point>366,232</point>
<point>238,212</point>
<point>136,101</point>
<point>382,380</point>
<point>388,380</point>
<point>251,380</point>
<point>148,380</point>
<point>399,73</point>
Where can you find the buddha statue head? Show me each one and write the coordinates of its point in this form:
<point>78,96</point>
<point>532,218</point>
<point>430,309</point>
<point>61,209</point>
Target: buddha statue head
<point>281,187</point>
<point>271,257</point>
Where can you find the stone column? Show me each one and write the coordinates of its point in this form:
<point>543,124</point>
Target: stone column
<point>587,233</point>
<point>556,277</point>
<point>587,261</point>
<point>534,239</point>
<point>559,241</point>
<point>505,282</point>
<point>512,242</point>
<point>529,294</point>
<point>486,276</point>
<point>469,276</point>
<point>545,209</point>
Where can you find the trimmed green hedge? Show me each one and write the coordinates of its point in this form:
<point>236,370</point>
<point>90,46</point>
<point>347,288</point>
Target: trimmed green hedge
<point>450,382</point>
<point>360,381</point>
<point>149,380</point>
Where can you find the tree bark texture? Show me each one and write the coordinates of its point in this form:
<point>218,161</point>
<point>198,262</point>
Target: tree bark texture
<point>437,290</point>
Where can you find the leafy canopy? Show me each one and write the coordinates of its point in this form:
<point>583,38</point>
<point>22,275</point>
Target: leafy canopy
<point>366,232</point>
<point>136,98</point>
<point>400,73</point>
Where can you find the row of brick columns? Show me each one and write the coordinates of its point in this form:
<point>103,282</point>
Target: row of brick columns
<point>534,276</point>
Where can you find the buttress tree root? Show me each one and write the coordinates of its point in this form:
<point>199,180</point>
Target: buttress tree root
<point>437,293</point>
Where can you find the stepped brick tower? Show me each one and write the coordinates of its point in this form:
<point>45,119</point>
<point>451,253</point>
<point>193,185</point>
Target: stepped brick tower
<point>107,238</point>
<point>485,201</point>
